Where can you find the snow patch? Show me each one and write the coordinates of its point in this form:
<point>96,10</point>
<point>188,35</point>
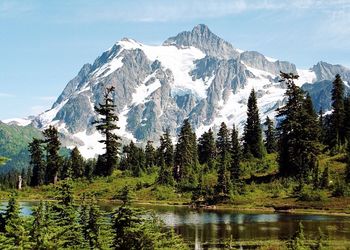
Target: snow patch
<point>47,117</point>
<point>91,147</point>
<point>305,76</point>
<point>179,60</point>
<point>122,123</point>
<point>18,121</point>
<point>271,59</point>
<point>143,91</point>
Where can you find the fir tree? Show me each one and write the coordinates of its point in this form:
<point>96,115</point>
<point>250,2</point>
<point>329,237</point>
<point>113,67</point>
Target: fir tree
<point>322,125</point>
<point>235,171</point>
<point>207,149</point>
<point>298,132</point>
<point>252,137</point>
<point>77,163</point>
<point>298,240</point>
<point>270,136</point>
<point>346,125</point>
<point>134,159</point>
<point>185,153</point>
<point>106,125</point>
<point>337,116</point>
<point>15,231</point>
<point>223,147</point>
<point>150,155</point>
<point>165,160</point>
<point>53,159</point>
<point>65,215</point>
<point>347,171</point>
<point>40,230</point>
<point>37,163</point>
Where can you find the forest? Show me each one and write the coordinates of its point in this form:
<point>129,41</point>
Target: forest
<point>300,158</point>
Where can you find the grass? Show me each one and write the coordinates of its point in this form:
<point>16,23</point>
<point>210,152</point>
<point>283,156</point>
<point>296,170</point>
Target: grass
<point>256,195</point>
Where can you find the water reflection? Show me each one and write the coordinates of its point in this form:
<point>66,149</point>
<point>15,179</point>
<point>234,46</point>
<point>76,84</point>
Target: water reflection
<point>201,228</point>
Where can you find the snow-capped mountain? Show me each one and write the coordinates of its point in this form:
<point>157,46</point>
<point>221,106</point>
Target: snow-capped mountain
<point>194,75</point>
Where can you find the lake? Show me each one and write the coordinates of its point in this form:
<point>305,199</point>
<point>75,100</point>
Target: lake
<point>214,227</point>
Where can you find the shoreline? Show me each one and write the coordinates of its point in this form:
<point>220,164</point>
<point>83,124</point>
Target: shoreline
<point>220,207</point>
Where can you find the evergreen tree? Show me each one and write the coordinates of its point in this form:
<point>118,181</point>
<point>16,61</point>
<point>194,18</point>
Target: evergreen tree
<point>106,125</point>
<point>223,147</point>
<point>134,159</point>
<point>165,176</point>
<point>270,136</point>
<point>235,171</point>
<point>186,158</point>
<point>337,116</point>
<point>65,215</point>
<point>346,125</point>
<point>77,163</point>
<point>53,159</point>
<point>298,132</point>
<point>90,218</point>
<point>40,229</point>
<point>15,231</point>
<point>347,171</point>
<point>324,182</point>
<point>207,149</point>
<point>252,137</point>
<point>322,126</point>
<point>165,159</point>
<point>150,155</point>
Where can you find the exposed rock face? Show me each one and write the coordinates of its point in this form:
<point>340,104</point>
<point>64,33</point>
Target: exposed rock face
<point>194,75</point>
<point>202,38</point>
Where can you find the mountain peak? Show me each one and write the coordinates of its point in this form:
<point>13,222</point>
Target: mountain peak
<point>202,38</point>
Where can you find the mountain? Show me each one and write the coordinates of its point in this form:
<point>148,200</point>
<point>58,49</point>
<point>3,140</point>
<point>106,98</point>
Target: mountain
<point>195,75</point>
<point>14,140</point>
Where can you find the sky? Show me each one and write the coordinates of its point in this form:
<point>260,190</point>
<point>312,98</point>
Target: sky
<point>43,44</point>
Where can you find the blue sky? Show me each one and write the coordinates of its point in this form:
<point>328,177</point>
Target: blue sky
<point>43,44</point>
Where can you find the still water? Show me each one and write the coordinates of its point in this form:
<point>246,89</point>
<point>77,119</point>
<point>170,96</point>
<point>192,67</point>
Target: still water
<point>214,227</point>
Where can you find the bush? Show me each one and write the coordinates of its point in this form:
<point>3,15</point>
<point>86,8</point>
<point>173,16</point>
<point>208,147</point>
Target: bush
<point>340,189</point>
<point>307,193</point>
<point>164,193</point>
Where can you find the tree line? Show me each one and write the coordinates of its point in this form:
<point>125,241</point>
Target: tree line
<point>299,136</point>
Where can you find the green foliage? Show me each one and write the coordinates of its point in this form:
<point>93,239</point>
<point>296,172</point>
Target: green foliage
<point>252,137</point>
<point>336,133</point>
<point>340,189</point>
<point>270,136</point>
<point>298,132</point>
<point>106,125</point>
<point>309,193</point>
<point>298,240</point>
<point>13,145</point>
<point>37,162</point>
<point>186,154</point>
<point>53,158</point>
<point>207,149</point>
<point>224,147</point>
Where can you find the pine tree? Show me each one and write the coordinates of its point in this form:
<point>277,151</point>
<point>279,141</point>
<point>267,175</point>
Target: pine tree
<point>37,163</point>
<point>66,218</point>
<point>150,155</point>
<point>90,219</point>
<point>223,147</point>
<point>15,231</point>
<point>77,163</point>
<point>40,230</point>
<point>185,153</point>
<point>165,159</point>
<point>347,172</point>
<point>252,137</point>
<point>298,240</point>
<point>235,171</point>
<point>106,126</point>
<point>337,116</point>
<point>298,132</point>
<point>322,126</point>
<point>53,159</point>
<point>270,136</point>
<point>207,149</point>
<point>346,125</point>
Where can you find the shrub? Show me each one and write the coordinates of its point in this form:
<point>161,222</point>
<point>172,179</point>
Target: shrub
<point>307,193</point>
